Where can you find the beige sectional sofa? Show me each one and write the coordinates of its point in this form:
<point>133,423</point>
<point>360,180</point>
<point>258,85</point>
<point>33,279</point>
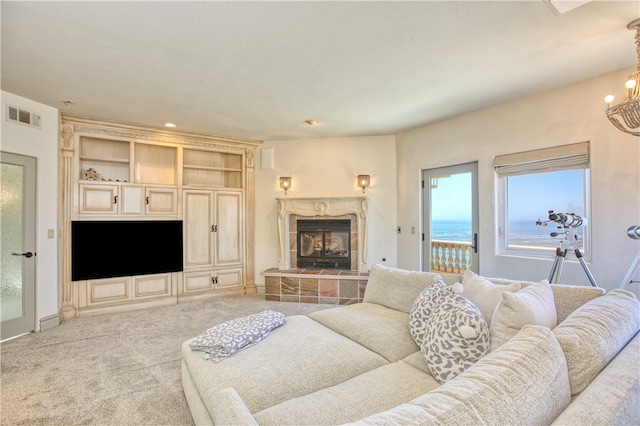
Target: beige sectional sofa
<point>359,364</point>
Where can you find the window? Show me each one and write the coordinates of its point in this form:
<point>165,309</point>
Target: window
<point>533,183</point>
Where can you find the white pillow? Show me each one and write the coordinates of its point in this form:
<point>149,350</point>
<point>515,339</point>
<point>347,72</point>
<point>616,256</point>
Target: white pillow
<point>485,294</point>
<point>533,305</point>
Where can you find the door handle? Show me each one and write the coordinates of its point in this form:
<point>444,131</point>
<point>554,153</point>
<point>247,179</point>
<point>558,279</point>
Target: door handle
<point>27,254</point>
<point>474,244</point>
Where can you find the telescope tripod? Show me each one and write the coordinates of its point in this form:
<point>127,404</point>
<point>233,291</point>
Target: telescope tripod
<point>627,278</point>
<point>561,254</point>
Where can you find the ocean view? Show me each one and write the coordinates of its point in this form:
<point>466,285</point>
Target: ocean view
<point>521,232</point>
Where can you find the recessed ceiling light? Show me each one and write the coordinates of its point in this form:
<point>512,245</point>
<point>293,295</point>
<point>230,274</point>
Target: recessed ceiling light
<point>312,122</point>
<point>171,125</point>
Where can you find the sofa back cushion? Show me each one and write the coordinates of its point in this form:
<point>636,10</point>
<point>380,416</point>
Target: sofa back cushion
<point>524,382</point>
<point>594,334</point>
<point>568,298</point>
<point>396,288</point>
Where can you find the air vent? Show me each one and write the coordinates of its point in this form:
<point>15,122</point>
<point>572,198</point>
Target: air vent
<point>22,116</point>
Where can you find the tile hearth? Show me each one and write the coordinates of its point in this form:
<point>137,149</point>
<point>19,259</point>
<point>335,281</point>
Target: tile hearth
<point>330,286</point>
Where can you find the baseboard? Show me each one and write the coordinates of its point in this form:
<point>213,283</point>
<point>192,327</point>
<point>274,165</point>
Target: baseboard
<point>52,321</point>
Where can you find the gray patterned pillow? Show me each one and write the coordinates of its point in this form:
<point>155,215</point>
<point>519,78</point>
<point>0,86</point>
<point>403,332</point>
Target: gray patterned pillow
<point>450,330</point>
<point>421,311</point>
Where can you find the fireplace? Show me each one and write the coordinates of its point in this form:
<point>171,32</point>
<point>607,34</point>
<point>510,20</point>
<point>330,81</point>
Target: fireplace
<point>324,243</point>
<point>349,209</point>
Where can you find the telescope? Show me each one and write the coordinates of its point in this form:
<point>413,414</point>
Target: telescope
<point>567,220</point>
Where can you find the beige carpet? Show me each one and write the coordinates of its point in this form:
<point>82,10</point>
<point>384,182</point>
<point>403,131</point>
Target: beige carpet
<point>113,369</point>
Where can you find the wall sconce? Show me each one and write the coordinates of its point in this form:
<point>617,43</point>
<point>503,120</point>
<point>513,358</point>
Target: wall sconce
<point>364,181</point>
<point>285,183</point>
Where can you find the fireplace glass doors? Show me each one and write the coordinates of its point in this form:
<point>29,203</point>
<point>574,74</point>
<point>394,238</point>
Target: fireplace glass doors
<point>324,244</point>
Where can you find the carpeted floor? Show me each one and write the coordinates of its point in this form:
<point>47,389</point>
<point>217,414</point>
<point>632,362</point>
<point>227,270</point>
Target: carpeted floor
<point>113,369</point>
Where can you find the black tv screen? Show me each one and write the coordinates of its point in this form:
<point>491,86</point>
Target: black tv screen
<point>119,248</point>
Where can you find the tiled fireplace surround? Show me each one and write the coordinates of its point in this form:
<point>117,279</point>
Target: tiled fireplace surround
<point>287,283</point>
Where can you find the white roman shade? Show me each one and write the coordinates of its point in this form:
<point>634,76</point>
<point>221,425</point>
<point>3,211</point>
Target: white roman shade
<point>564,157</point>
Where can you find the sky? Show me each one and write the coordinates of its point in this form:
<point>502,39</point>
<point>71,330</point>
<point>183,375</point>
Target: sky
<point>530,197</point>
<point>451,200</point>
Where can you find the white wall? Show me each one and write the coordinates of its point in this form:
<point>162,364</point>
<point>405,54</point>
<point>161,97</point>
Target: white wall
<point>570,114</point>
<point>323,168</point>
<point>43,145</point>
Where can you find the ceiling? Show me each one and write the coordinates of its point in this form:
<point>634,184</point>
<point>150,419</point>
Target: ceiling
<point>258,70</point>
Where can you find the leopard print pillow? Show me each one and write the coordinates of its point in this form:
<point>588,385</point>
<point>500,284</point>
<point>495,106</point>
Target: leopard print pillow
<point>450,330</point>
<point>421,311</point>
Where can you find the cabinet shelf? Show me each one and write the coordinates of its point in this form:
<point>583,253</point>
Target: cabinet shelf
<point>218,169</point>
<point>211,168</point>
<point>104,160</point>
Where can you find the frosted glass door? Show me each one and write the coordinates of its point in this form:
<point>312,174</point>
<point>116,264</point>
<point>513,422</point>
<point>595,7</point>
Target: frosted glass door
<point>17,272</point>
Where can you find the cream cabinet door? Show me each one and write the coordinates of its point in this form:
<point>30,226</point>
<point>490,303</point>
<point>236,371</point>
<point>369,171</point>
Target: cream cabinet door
<point>131,200</point>
<point>198,227</point>
<point>228,278</point>
<point>198,281</point>
<point>98,199</point>
<point>228,228</point>
<point>161,201</point>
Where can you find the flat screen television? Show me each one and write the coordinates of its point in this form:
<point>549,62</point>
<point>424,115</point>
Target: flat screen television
<point>119,248</point>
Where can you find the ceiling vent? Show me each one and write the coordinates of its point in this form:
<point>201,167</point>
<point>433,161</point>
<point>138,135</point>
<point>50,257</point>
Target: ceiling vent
<point>22,116</point>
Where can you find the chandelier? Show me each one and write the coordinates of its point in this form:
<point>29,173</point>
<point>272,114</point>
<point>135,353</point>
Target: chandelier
<point>626,114</point>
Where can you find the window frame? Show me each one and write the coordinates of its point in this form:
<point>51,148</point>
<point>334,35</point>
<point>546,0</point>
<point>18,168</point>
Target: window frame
<point>542,252</point>
<point>560,158</point>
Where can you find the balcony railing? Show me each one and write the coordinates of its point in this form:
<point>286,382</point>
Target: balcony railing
<point>450,256</point>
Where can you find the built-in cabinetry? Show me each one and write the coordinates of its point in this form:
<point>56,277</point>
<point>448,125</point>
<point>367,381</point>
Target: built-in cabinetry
<point>113,171</point>
<point>213,229</point>
<point>100,198</point>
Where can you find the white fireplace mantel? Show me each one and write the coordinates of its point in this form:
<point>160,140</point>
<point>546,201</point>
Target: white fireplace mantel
<point>325,206</point>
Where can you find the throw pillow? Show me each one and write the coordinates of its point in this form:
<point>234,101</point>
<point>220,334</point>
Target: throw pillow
<point>454,336</point>
<point>533,305</point>
<point>421,312</point>
<point>485,294</point>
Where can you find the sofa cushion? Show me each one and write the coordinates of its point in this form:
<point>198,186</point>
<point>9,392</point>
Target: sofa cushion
<point>396,288</point>
<point>533,305</point>
<point>485,294</point>
<point>369,393</point>
<point>523,382</point>
<point>594,334</point>
<point>613,397</point>
<point>380,329</point>
<point>450,330</point>
<point>231,410</point>
<point>297,358</point>
<point>568,298</point>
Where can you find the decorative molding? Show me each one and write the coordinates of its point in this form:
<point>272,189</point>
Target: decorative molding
<point>326,206</point>
<point>66,137</point>
<point>156,135</point>
<point>249,156</point>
